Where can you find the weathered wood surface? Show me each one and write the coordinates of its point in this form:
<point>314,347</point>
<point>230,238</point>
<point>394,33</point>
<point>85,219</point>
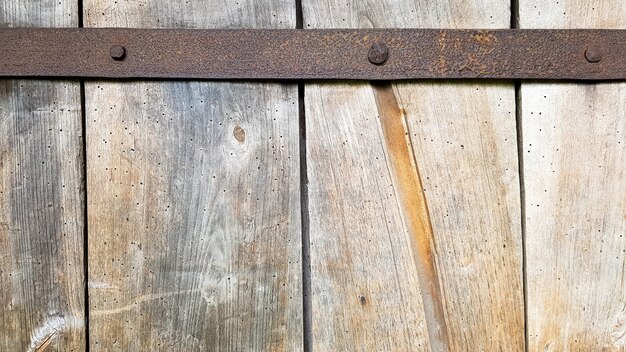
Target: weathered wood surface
<point>574,155</point>
<point>41,200</point>
<point>193,199</point>
<point>395,268</point>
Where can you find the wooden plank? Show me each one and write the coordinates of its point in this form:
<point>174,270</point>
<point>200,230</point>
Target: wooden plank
<point>41,200</point>
<point>193,199</point>
<point>394,267</point>
<point>574,155</point>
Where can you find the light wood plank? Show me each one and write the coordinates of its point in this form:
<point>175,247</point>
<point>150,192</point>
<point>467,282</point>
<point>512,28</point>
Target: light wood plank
<point>574,154</point>
<point>414,199</point>
<point>41,200</point>
<point>194,201</point>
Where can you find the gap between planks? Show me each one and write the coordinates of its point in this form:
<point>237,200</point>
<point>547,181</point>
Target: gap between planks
<point>83,119</point>
<point>307,343</point>
<point>520,161</point>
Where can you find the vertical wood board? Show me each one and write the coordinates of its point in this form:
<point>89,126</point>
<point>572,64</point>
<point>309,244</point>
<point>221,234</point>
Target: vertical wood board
<point>41,200</point>
<point>414,199</point>
<point>574,155</point>
<point>193,198</point>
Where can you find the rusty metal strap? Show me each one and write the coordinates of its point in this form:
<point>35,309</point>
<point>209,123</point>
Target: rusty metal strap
<point>364,54</point>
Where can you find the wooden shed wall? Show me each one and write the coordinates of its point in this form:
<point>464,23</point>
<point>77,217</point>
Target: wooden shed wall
<point>326,216</point>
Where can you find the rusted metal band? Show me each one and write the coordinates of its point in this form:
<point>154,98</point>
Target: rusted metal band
<point>364,54</point>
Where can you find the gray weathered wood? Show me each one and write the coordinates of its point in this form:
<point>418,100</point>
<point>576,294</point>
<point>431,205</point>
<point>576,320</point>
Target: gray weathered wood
<point>41,200</point>
<point>394,267</point>
<point>574,154</point>
<point>193,199</point>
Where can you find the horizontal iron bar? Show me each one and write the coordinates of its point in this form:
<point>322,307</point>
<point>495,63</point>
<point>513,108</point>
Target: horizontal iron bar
<point>364,54</point>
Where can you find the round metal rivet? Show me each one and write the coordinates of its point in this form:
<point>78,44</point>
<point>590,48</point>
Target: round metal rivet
<point>117,52</point>
<point>378,54</point>
<point>593,54</point>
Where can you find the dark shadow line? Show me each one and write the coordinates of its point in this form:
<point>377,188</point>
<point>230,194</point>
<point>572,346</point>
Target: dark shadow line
<point>515,24</point>
<point>304,216</point>
<point>304,210</point>
<point>452,81</point>
<point>83,115</point>
<point>299,15</point>
<point>514,14</point>
<point>85,217</point>
<point>520,160</point>
<point>80,14</point>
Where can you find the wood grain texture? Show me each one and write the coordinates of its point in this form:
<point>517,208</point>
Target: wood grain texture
<point>364,283</point>
<point>39,13</point>
<point>574,154</point>
<point>193,199</point>
<point>41,200</point>
<point>375,261</point>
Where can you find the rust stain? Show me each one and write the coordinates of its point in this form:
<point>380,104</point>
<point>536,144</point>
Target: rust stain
<point>485,38</point>
<point>441,61</point>
<point>474,64</point>
<point>410,192</point>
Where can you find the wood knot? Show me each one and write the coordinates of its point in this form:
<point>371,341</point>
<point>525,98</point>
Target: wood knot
<point>240,134</point>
